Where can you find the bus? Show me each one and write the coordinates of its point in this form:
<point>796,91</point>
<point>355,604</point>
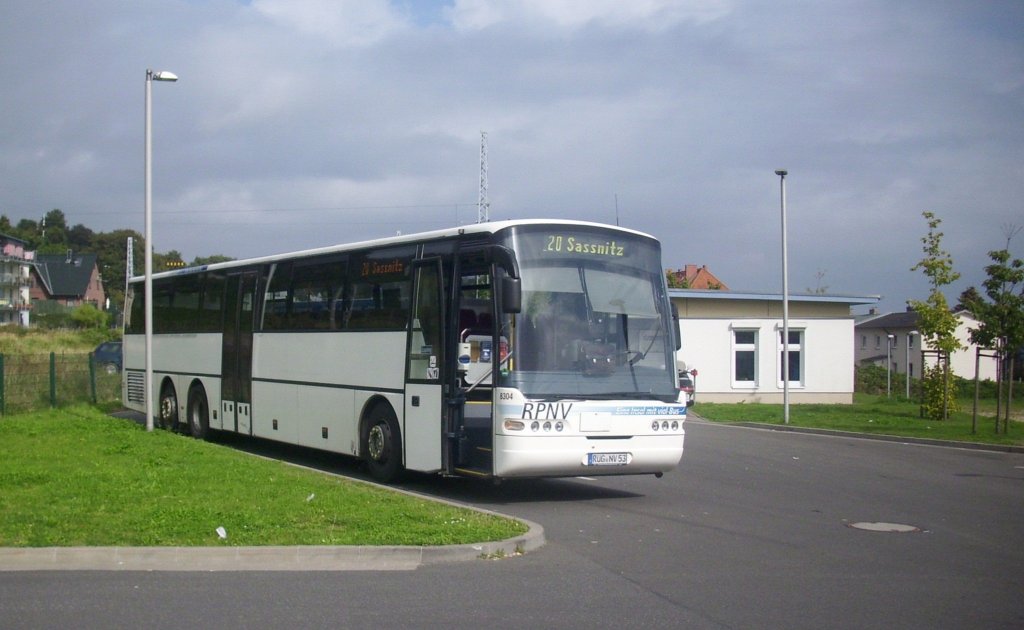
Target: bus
<point>499,350</point>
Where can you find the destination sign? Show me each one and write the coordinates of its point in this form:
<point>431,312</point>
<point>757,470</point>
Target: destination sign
<point>557,243</point>
<point>601,246</point>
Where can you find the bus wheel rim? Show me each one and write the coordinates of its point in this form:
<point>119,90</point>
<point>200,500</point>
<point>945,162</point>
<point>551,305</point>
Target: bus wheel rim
<point>376,443</point>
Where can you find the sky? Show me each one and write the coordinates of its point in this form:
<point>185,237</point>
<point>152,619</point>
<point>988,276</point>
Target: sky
<point>303,123</point>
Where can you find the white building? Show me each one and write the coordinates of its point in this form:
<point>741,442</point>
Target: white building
<point>893,338</point>
<point>15,281</point>
<point>734,341</point>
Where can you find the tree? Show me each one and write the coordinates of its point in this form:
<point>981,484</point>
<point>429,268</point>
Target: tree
<point>80,238</point>
<point>110,249</point>
<point>935,321</point>
<point>210,260</point>
<point>676,280</point>
<point>1001,318</point>
<point>28,231</point>
<point>55,219</point>
<point>968,297</point>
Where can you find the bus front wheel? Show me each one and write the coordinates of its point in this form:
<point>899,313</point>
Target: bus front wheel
<point>198,413</point>
<point>382,444</point>
<point>168,408</point>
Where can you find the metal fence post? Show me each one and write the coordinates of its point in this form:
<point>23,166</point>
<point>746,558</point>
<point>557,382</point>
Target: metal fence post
<point>3,392</point>
<point>92,377</point>
<point>53,379</point>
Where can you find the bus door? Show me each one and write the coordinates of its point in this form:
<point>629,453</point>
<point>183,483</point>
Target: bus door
<point>236,353</point>
<point>477,349</point>
<point>425,408</point>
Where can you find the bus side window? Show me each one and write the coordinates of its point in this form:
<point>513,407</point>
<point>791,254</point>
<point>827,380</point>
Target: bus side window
<point>275,309</point>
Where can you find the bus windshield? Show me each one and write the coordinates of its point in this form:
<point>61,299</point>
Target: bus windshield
<point>593,321</point>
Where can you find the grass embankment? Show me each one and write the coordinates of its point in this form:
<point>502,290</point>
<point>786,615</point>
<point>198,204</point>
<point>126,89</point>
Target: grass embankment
<point>874,415</point>
<point>14,340</point>
<point>75,477</point>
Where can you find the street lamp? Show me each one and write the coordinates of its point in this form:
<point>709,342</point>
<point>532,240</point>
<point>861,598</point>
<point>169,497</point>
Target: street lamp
<point>150,77</point>
<point>910,340</point>
<point>785,302</point>
<point>888,364</point>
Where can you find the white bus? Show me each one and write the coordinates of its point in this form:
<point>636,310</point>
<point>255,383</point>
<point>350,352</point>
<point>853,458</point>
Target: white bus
<point>498,350</point>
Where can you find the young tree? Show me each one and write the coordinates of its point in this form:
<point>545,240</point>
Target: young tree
<point>1002,318</point>
<point>935,321</point>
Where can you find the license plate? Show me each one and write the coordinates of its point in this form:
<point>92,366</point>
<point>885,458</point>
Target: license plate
<point>607,459</point>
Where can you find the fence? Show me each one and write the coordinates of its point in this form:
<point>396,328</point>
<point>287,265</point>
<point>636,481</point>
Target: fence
<point>36,381</point>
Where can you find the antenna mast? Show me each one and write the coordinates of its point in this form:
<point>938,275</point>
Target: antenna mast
<point>483,207</point>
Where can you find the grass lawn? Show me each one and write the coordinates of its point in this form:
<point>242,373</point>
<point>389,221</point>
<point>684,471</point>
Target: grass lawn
<point>77,477</point>
<point>872,414</point>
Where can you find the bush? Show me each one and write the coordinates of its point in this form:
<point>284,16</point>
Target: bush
<point>89,317</point>
<point>940,397</point>
<point>870,379</point>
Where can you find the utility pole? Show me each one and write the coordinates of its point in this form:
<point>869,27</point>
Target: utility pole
<point>483,207</point>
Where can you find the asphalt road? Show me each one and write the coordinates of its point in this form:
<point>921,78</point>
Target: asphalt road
<point>754,530</point>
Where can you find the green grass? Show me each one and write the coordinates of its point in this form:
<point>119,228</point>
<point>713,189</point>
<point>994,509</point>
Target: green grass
<point>76,477</point>
<point>15,340</point>
<point>874,415</point>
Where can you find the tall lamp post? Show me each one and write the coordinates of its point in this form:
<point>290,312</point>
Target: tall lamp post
<point>910,341</point>
<point>785,301</point>
<point>150,77</point>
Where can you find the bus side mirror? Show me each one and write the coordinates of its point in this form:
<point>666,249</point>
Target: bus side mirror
<point>511,295</point>
<point>675,325</point>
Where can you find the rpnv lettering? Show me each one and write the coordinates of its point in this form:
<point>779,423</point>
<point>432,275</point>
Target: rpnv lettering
<point>546,411</point>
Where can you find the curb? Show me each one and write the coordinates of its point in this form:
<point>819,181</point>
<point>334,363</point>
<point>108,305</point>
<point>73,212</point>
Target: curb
<point>299,558</point>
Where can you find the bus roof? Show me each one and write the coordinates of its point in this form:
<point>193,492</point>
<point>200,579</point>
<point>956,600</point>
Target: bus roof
<point>472,228</point>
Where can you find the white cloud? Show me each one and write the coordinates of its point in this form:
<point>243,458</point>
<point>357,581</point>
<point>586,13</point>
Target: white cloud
<point>649,15</point>
<point>338,23</point>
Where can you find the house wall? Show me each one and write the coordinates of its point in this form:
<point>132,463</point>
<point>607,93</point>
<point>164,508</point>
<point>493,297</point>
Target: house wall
<point>95,294</point>
<point>708,328</point>
<point>871,348</point>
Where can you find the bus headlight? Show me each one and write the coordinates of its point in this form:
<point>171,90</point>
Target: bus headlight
<point>514,425</point>
<point>535,426</point>
<point>559,426</point>
<point>655,426</point>
<point>547,426</point>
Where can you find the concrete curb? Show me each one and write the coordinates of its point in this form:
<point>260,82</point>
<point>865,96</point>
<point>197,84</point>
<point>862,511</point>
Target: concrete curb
<point>300,558</point>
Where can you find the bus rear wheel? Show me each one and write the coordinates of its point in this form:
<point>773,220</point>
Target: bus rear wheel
<point>382,444</point>
<point>198,413</point>
<point>168,408</point>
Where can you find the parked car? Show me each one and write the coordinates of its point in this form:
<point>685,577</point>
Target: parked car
<point>686,386</point>
<point>107,356</point>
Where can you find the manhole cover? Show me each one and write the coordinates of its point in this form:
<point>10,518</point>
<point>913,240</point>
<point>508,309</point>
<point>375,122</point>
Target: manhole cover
<point>892,528</point>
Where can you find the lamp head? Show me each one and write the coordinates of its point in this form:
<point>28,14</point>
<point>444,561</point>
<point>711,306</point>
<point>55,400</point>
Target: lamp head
<point>782,172</point>
<point>161,75</point>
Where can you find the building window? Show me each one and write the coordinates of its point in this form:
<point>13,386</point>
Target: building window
<point>863,341</point>
<point>744,358</point>
<point>795,347</point>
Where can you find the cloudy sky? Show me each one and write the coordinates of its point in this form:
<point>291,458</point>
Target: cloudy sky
<point>302,123</point>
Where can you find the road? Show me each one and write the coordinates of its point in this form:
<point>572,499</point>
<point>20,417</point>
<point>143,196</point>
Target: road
<point>756,529</point>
